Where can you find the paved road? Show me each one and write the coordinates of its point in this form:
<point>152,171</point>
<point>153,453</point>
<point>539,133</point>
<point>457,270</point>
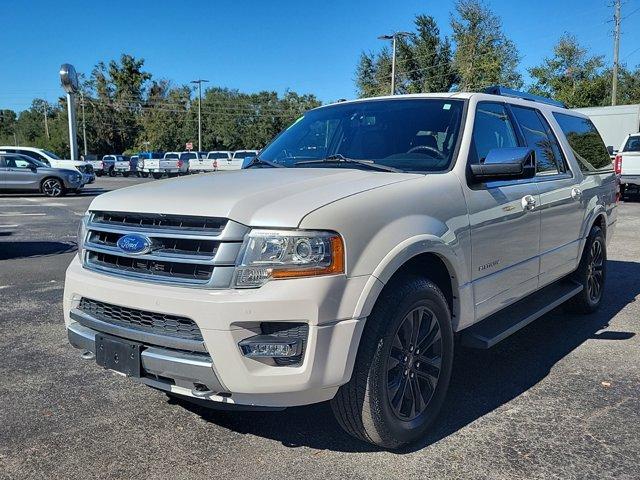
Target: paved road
<point>560,399</point>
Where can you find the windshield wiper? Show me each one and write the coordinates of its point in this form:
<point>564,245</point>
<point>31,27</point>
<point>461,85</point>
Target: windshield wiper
<point>259,161</point>
<point>339,158</point>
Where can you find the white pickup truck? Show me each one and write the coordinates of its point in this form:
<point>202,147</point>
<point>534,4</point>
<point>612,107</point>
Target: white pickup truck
<point>212,161</point>
<point>238,159</point>
<point>342,262</point>
<point>627,164</point>
<point>194,161</point>
<point>169,164</point>
<point>122,165</point>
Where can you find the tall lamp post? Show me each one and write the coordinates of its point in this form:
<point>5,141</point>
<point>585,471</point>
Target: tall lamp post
<point>199,82</point>
<point>393,37</point>
<point>69,80</point>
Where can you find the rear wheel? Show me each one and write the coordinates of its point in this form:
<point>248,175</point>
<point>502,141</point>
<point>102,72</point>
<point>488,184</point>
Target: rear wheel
<point>403,366</point>
<point>157,176</point>
<point>112,172</point>
<point>52,187</point>
<point>144,174</point>
<point>591,273</point>
<point>125,174</point>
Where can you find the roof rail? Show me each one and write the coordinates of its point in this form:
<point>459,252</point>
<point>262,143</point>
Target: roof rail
<point>507,92</point>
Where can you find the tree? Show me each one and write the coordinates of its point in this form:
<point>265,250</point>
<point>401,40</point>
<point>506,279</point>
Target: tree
<point>423,64</point>
<point>425,60</point>
<point>484,55</point>
<point>572,76</point>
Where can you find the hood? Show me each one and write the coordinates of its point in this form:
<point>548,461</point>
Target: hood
<point>268,197</point>
<point>68,163</point>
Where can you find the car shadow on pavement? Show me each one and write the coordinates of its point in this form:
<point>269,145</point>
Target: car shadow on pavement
<point>12,250</point>
<point>483,380</point>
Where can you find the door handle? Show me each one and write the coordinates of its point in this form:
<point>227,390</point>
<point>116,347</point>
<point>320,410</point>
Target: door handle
<point>576,193</point>
<point>528,203</point>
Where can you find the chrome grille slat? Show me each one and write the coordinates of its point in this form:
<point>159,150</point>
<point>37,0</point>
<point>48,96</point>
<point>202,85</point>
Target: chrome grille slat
<point>189,256</point>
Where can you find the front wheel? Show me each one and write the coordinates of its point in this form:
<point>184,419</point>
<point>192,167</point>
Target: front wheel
<point>112,172</point>
<point>125,174</point>
<point>591,274</point>
<point>52,187</point>
<point>403,366</point>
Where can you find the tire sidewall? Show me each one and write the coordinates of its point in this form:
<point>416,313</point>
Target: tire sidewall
<point>596,233</point>
<point>408,431</point>
<point>62,190</point>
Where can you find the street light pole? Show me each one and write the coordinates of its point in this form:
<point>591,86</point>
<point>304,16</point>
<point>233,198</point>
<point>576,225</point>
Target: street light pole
<point>394,38</point>
<point>616,54</point>
<point>199,82</point>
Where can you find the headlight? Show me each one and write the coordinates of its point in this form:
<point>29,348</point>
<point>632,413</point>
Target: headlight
<point>273,254</point>
<point>82,234</point>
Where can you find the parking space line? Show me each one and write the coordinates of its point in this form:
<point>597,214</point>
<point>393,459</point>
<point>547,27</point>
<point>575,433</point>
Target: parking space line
<point>19,214</point>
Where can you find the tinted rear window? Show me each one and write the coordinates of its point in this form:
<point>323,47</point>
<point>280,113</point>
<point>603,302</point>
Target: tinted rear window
<point>632,145</point>
<point>586,143</point>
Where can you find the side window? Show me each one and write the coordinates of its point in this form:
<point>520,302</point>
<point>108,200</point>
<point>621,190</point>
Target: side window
<point>538,136</point>
<point>19,162</point>
<point>492,129</point>
<point>586,143</point>
<point>632,145</point>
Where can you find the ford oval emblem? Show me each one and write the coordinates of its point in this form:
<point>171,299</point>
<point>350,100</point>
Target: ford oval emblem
<point>134,244</point>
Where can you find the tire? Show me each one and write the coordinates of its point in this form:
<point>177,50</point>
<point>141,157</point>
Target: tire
<point>172,175</point>
<point>157,176</point>
<point>112,172</point>
<point>98,174</point>
<point>125,174</point>
<point>144,174</point>
<point>367,407</point>
<point>52,187</point>
<point>591,274</point>
<point>623,192</point>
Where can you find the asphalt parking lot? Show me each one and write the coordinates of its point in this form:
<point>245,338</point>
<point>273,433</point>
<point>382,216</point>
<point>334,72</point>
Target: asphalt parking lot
<point>560,399</point>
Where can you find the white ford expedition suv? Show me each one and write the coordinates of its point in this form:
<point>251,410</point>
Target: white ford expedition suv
<point>345,259</point>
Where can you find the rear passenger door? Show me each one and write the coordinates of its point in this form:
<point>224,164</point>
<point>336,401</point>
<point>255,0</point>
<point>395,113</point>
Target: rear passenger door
<point>505,234</point>
<point>560,206</point>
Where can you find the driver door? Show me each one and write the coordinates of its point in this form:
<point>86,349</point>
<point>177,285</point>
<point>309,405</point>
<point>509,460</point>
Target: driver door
<point>505,225</point>
<point>20,173</point>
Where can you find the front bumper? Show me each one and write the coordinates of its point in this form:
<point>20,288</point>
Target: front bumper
<point>225,317</point>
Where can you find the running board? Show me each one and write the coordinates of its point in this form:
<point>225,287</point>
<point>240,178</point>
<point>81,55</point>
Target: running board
<point>500,325</point>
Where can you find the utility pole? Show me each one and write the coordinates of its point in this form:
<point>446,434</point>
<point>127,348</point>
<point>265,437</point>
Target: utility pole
<point>199,82</point>
<point>393,37</point>
<point>616,53</point>
<point>46,125</point>
<point>84,126</point>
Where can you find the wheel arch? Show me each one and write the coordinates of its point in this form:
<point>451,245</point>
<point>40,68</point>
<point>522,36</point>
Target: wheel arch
<point>434,260</point>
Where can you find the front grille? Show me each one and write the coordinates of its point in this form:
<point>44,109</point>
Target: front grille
<point>287,330</point>
<point>186,250</point>
<point>148,322</point>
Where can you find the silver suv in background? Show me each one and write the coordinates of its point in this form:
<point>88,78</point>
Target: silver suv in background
<point>50,159</point>
<point>22,173</point>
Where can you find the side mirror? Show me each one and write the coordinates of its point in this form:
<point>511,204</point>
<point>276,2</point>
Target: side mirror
<point>506,164</point>
<point>247,161</point>
<point>33,168</point>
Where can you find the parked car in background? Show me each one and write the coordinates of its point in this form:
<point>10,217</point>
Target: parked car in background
<point>216,158</point>
<point>351,258</point>
<point>122,165</point>
<point>94,161</point>
<point>142,159</point>
<point>23,173</point>
<point>191,161</point>
<point>627,165</point>
<point>52,160</point>
<point>109,165</point>
<point>170,164</point>
<point>202,163</point>
<point>239,157</point>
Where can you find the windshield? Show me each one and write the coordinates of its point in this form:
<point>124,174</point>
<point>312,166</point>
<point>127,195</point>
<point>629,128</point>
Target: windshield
<point>188,156</point>
<point>407,134</point>
<point>51,155</point>
<point>218,155</point>
<point>633,145</point>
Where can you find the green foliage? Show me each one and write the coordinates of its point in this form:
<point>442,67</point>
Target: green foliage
<point>127,110</point>
<point>571,75</point>
<point>484,55</point>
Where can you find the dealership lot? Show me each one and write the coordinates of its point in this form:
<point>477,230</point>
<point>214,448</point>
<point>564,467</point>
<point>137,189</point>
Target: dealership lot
<point>560,399</point>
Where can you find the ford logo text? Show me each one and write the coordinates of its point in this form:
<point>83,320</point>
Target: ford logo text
<point>135,244</point>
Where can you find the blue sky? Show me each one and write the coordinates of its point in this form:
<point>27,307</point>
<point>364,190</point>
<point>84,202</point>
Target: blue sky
<point>251,45</point>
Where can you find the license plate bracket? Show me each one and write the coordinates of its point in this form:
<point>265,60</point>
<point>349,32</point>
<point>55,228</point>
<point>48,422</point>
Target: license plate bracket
<point>118,354</point>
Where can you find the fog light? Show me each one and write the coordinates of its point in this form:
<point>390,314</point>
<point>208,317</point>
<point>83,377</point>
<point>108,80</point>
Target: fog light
<point>268,346</point>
